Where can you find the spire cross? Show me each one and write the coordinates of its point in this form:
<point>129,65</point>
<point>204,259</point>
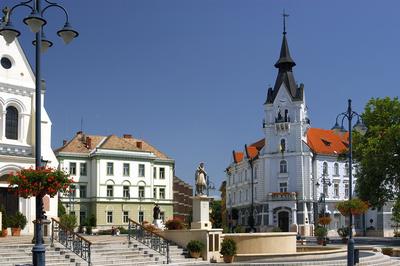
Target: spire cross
<point>284,15</point>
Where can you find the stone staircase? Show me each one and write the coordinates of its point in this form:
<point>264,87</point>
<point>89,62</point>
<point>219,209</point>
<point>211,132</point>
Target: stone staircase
<point>114,250</point>
<point>18,251</point>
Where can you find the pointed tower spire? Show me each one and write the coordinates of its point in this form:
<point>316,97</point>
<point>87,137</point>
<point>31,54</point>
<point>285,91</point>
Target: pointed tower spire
<point>285,76</point>
<point>285,61</point>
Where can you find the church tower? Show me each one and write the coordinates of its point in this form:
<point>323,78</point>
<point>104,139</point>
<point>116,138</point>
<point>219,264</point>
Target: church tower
<point>287,163</point>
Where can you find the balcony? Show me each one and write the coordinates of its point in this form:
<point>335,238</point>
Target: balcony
<point>282,196</point>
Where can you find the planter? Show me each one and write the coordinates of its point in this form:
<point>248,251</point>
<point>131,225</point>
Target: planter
<point>320,241</point>
<point>344,240</point>
<point>16,231</point>
<point>228,259</point>
<point>4,232</point>
<point>194,254</point>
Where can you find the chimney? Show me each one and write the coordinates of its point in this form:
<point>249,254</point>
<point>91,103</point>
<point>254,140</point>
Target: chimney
<point>127,136</point>
<point>65,142</point>
<point>139,144</point>
<point>88,142</point>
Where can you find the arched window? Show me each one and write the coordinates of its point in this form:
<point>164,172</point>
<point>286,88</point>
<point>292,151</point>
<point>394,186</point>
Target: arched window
<point>325,168</point>
<point>283,166</point>
<point>12,123</point>
<point>336,166</point>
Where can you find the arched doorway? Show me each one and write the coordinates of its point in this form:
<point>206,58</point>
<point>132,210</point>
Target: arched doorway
<point>283,221</point>
<point>8,199</point>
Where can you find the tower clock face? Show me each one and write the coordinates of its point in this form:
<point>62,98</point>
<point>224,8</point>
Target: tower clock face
<point>5,63</point>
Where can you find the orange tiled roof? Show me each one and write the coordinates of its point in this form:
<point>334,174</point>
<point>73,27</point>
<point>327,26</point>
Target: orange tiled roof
<point>252,152</point>
<point>79,144</point>
<point>237,156</point>
<point>323,141</point>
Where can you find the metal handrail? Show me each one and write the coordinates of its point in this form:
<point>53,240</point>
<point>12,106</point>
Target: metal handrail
<point>71,240</point>
<point>149,238</point>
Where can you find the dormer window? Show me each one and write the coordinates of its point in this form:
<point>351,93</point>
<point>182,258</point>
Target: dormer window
<point>12,123</point>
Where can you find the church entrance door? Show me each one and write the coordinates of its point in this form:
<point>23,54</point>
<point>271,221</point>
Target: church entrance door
<point>9,200</point>
<point>283,221</point>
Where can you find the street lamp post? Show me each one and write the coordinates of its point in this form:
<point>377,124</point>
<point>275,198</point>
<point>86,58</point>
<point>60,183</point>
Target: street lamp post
<point>36,22</point>
<point>362,129</point>
<point>251,163</point>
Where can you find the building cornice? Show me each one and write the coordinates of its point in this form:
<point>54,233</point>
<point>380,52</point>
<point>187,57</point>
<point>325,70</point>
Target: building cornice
<point>16,90</point>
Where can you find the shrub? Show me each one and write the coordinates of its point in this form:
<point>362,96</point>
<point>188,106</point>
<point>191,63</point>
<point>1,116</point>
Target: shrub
<point>68,221</point>
<point>353,206</point>
<point>228,247</point>
<point>174,224</point>
<point>92,220</point>
<point>239,229</point>
<point>343,232</point>
<point>17,221</point>
<point>324,220</point>
<point>387,251</point>
<point>195,246</point>
<point>276,229</point>
<point>320,232</point>
<point>122,230</point>
<point>4,218</point>
<point>88,230</point>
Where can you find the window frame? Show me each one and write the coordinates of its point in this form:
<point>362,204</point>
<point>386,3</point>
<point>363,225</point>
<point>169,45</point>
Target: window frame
<point>110,168</point>
<point>126,169</point>
<point>283,167</point>
<point>83,169</point>
<point>161,173</point>
<point>72,172</point>
<point>110,191</point>
<point>141,192</point>
<point>81,191</point>
<point>126,192</point>
<point>283,189</point>
<point>141,170</point>
<point>12,123</point>
<point>160,194</point>
<point>125,217</point>
<point>109,217</point>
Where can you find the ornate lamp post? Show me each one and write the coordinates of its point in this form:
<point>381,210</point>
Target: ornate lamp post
<point>362,129</point>
<point>36,22</point>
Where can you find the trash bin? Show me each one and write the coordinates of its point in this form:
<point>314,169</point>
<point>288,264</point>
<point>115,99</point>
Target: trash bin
<point>356,256</point>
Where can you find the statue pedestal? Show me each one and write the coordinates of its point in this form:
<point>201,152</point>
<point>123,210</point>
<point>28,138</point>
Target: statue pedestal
<point>201,213</point>
<point>159,224</point>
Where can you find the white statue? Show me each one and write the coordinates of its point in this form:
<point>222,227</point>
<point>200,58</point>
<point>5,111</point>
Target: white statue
<point>200,178</point>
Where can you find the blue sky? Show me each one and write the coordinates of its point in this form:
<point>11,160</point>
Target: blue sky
<point>191,77</point>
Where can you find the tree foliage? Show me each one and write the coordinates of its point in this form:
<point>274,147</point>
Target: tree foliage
<point>377,152</point>
<point>216,215</point>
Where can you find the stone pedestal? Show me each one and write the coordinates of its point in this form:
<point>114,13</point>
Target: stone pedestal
<point>201,213</point>
<point>159,224</point>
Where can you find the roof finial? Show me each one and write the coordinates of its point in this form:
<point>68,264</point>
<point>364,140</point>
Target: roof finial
<point>284,15</point>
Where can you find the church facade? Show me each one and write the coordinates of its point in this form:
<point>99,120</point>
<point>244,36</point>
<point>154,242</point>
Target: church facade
<point>17,132</point>
<point>293,173</point>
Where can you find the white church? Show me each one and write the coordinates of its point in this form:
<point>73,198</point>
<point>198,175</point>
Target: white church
<point>17,131</point>
<point>296,170</point>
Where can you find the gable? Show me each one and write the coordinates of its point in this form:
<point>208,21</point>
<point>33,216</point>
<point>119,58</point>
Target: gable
<point>20,74</point>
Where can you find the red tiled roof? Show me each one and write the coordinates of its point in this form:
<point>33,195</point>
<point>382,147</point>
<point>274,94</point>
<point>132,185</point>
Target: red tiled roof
<point>328,142</point>
<point>79,144</point>
<point>237,156</point>
<point>252,152</point>
<point>259,144</point>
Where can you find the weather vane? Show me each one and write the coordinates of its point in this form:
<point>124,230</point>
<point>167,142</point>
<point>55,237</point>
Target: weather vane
<point>284,15</point>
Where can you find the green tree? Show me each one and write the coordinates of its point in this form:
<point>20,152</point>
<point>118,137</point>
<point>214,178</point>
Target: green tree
<point>396,214</point>
<point>377,152</point>
<point>61,209</point>
<point>216,215</point>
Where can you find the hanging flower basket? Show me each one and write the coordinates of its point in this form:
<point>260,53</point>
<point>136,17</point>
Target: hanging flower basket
<point>39,182</point>
<point>353,206</point>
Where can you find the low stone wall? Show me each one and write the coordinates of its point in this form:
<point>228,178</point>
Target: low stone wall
<point>211,239</point>
<point>264,243</point>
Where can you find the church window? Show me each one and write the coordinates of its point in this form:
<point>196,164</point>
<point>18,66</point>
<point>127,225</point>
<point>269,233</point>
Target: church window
<point>12,123</point>
<point>325,168</point>
<point>283,187</point>
<point>283,166</point>
<point>336,167</point>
